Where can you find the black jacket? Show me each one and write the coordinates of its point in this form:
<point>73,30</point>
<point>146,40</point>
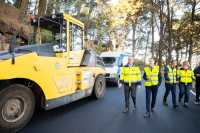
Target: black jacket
<point>197,71</point>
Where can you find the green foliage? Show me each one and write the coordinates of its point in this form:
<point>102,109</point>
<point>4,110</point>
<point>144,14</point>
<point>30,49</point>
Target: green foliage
<point>100,48</point>
<point>45,36</point>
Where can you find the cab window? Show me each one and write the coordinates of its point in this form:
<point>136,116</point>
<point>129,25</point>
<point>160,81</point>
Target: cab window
<point>76,37</point>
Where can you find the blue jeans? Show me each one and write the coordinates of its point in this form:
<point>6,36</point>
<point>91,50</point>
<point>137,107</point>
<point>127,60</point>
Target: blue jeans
<point>170,88</point>
<point>151,94</point>
<point>185,91</point>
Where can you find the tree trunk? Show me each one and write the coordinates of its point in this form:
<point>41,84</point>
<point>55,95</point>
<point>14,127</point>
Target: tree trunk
<point>146,49</point>
<point>177,56</point>
<point>22,4</point>
<point>134,24</point>
<point>152,33</point>
<point>161,33</point>
<point>18,3</point>
<point>42,8</point>
<point>169,26</point>
<point>186,51</point>
<point>191,36</point>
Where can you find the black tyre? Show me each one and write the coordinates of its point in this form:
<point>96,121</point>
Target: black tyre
<point>17,104</point>
<point>99,87</point>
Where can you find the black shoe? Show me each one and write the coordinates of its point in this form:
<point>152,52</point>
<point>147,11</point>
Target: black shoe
<point>152,110</point>
<point>125,110</point>
<point>165,103</point>
<point>179,100</point>
<point>147,115</point>
<point>175,106</point>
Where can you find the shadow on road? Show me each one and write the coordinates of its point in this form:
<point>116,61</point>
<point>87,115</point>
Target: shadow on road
<point>42,114</point>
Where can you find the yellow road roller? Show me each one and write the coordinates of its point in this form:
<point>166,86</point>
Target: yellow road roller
<point>52,70</point>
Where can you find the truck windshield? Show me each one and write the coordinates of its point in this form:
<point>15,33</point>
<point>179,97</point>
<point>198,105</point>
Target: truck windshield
<point>109,61</point>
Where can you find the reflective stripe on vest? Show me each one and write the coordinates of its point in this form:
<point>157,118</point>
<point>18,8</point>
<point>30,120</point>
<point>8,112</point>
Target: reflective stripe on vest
<point>152,76</point>
<point>172,75</point>
<point>186,76</point>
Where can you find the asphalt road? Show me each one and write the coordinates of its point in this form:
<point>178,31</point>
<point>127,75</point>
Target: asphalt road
<point>105,116</point>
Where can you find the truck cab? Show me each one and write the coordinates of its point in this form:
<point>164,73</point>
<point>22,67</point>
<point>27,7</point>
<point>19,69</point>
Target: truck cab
<point>113,62</point>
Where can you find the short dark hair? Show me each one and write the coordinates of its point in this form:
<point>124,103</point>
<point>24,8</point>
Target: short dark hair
<point>172,61</point>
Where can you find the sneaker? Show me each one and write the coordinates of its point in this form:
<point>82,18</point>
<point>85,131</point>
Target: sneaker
<point>147,115</point>
<point>197,103</point>
<point>152,110</point>
<point>134,108</point>
<point>125,110</point>
<point>185,105</point>
<point>175,106</point>
<point>165,103</point>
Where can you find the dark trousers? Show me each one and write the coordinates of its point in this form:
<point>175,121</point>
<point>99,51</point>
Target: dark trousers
<point>184,91</point>
<point>130,91</point>
<point>170,88</point>
<point>197,91</point>
<point>151,94</point>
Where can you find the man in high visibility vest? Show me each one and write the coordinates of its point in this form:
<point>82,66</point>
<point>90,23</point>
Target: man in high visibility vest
<point>131,78</point>
<point>170,74</point>
<point>186,77</point>
<point>153,79</point>
<point>180,67</point>
<point>197,84</point>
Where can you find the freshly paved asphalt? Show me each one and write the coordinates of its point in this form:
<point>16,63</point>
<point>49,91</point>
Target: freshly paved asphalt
<point>105,116</point>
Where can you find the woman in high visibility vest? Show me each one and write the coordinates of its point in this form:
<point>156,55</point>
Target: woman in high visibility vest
<point>131,78</point>
<point>153,79</point>
<point>186,77</point>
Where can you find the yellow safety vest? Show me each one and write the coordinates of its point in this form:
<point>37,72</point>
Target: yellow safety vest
<point>186,76</point>
<point>130,75</point>
<point>172,73</point>
<point>152,76</point>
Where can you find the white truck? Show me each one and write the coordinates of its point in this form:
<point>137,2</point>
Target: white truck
<point>113,62</point>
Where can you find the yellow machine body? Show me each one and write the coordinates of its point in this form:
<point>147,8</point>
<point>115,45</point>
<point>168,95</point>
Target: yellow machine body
<point>61,78</point>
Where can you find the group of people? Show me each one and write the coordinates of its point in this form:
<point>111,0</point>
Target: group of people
<point>183,77</point>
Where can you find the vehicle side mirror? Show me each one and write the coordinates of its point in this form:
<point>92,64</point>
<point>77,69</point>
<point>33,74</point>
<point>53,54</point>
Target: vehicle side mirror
<point>13,41</point>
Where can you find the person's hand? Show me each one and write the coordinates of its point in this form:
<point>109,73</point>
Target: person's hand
<point>120,85</point>
<point>148,78</point>
<point>139,86</point>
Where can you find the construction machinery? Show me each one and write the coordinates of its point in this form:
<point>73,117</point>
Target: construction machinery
<point>51,71</point>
